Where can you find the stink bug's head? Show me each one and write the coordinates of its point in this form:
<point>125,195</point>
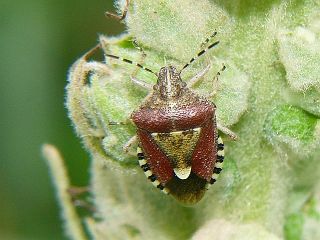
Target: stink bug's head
<point>169,83</point>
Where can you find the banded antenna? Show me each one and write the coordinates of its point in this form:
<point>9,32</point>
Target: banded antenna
<point>185,66</point>
<point>202,51</point>
<point>131,62</point>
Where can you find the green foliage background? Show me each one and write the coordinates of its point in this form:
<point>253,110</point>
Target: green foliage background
<point>39,40</point>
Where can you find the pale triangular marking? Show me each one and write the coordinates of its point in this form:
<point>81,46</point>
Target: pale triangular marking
<point>178,147</point>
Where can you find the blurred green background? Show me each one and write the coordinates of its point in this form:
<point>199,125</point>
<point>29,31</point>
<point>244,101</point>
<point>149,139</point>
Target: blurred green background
<point>39,40</point>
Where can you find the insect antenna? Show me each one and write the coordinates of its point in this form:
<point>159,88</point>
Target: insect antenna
<point>202,51</point>
<point>131,62</point>
<point>208,39</point>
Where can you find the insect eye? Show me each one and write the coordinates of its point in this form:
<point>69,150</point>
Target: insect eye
<point>155,87</point>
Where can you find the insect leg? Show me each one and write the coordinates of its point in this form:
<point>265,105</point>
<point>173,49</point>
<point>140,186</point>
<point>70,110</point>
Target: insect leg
<point>227,131</point>
<point>215,80</point>
<point>130,142</point>
<point>195,79</point>
<point>122,16</point>
<point>141,83</point>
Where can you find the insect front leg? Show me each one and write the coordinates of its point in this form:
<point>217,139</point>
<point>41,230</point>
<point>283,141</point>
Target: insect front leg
<point>227,131</point>
<point>122,16</point>
<point>141,83</point>
<point>215,80</point>
<point>195,79</point>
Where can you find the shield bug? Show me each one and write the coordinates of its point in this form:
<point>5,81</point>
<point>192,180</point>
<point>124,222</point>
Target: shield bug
<point>179,148</point>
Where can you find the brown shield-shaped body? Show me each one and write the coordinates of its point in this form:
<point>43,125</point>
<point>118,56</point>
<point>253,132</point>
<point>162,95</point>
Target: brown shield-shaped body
<point>178,140</point>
